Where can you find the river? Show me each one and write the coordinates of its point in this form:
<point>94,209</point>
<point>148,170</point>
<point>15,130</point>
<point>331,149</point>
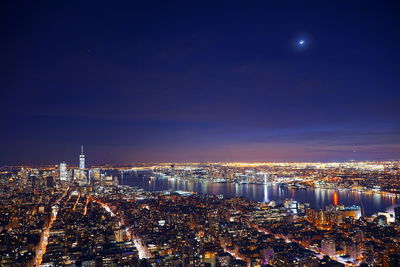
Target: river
<point>318,198</point>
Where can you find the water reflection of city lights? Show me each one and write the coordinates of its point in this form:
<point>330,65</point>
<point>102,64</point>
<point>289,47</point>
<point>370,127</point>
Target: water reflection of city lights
<point>335,198</point>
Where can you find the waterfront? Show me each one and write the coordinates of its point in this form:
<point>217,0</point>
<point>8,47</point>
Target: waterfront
<point>317,197</point>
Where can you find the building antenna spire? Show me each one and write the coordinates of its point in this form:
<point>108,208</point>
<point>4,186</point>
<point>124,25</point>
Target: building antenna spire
<point>81,149</point>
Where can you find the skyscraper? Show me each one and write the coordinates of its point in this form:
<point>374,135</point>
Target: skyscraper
<point>63,171</point>
<point>80,174</point>
<point>81,159</point>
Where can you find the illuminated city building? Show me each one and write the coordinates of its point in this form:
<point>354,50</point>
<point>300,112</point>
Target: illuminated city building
<point>210,258</point>
<point>79,174</point>
<point>352,211</point>
<point>81,160</point>
<point>328,247</point>
<point>96,177</point>
<point>63,171</point>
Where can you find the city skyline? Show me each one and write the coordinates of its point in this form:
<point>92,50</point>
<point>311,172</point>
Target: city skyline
<point>211,215</point>
<point>200,133</point>
<point>80,163</point>
<point>179,81</point>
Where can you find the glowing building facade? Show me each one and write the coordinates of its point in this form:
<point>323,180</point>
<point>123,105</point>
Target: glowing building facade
<point>81,159</point>
<point>63,171</point>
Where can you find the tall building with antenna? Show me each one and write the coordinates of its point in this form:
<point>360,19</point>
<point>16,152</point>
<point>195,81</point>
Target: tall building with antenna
<point>80,174</point>
<point>81,160</point>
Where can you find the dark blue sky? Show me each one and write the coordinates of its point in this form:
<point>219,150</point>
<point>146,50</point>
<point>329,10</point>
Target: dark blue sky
<point>142,81</point>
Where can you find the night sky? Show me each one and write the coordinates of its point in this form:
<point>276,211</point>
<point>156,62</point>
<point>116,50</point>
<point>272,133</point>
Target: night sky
<point>148,81</point>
